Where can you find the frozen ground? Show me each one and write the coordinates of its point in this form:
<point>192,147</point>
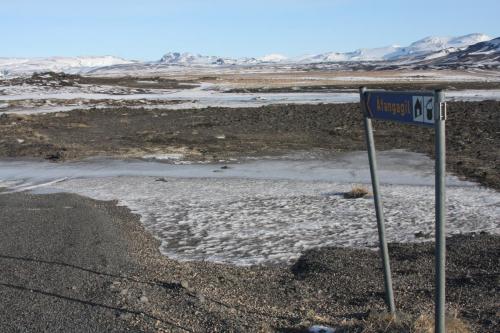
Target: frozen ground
<point>31,99</point>
<point>267,211</point>
<point>23,99</point>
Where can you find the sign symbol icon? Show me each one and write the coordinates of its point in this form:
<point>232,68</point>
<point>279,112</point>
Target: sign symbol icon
<point>418,108</point>
<point>429,110</point>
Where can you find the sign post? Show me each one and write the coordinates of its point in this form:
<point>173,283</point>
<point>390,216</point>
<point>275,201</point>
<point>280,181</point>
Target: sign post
<point>439,126</point>
<point>424,108</point>
<point>384,251</point>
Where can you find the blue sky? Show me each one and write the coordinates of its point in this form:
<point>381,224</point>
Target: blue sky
<point>149,28</point>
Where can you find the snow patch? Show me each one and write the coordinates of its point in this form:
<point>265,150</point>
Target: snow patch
<point>164,157</point>
<point>58,64</point>
<point>265,212</point>
<point>321,329</point>
<point>274,57</point>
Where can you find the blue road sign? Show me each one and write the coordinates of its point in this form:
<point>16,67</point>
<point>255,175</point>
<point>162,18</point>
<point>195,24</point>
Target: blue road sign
<point>413,108</point>
<point>406,107</point>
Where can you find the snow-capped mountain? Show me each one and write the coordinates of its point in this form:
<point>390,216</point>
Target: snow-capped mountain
<point>187,59</point>
<point>375,54</point>
<point>190,59</point>
<point>430,44</point>
<point>425,46</point>
<point>487,47</point>
<point>273,57</point>
<point>483,54</point>
<point>57,64</point>
<point>473,50</point>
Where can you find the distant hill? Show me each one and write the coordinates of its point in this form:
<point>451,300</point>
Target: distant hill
<point>468,51</point>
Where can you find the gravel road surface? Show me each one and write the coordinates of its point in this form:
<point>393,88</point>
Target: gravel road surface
<point>72,264</point>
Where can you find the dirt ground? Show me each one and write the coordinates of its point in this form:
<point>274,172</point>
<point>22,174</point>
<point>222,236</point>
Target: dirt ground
<point>97,269</point>
<point>121,281</point>
<point>335,87</point>
<point>212,134</point>
<point>51,79</point>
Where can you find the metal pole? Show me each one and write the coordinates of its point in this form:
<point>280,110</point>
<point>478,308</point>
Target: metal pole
<point>389,297</point>
<point>439,125</point>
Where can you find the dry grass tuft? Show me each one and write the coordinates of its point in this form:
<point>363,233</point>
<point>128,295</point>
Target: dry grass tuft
<point>425,324</point>
<point>381,322</point>
<point>77,125</point>
<point>357,191</point>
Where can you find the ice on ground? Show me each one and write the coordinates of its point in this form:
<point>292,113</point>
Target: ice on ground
<point>321,329</point>
<point>249,221</point>
<point>396,167</point>
<point>473,95</point>
<point>253,214</point>
<point>164,157</point>
<point>206,95</point>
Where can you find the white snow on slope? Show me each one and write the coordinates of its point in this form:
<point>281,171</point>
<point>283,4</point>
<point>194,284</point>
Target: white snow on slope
<point>187,59</point>
<point>428,45</point>
<point>190,59</point>
<point>488,47</point>
<point>197,60</point>
<point>440,43</point>
<point>274,57</point>
<point>58,64</point>
<point>374,54</point>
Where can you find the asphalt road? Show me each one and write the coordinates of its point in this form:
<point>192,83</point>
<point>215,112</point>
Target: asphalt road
<point>59,258</point>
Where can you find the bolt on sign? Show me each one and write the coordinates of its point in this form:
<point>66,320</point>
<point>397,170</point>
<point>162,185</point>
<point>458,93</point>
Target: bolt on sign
<point>407,107</point>
<point>425,108</point>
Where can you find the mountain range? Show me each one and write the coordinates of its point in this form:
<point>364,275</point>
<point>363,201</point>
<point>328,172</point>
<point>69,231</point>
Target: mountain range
<point>469,51</point>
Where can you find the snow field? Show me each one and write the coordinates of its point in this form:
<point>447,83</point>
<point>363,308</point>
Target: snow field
<point>267,211</point>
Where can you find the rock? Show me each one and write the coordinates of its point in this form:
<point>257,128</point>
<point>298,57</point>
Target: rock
<point>201,298</point>
<point>55,156</point>
<point>61,115</point>
<point>420,234</point>
<point>125,315</point>
<point>161,179</point>
<point>185,284</point>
